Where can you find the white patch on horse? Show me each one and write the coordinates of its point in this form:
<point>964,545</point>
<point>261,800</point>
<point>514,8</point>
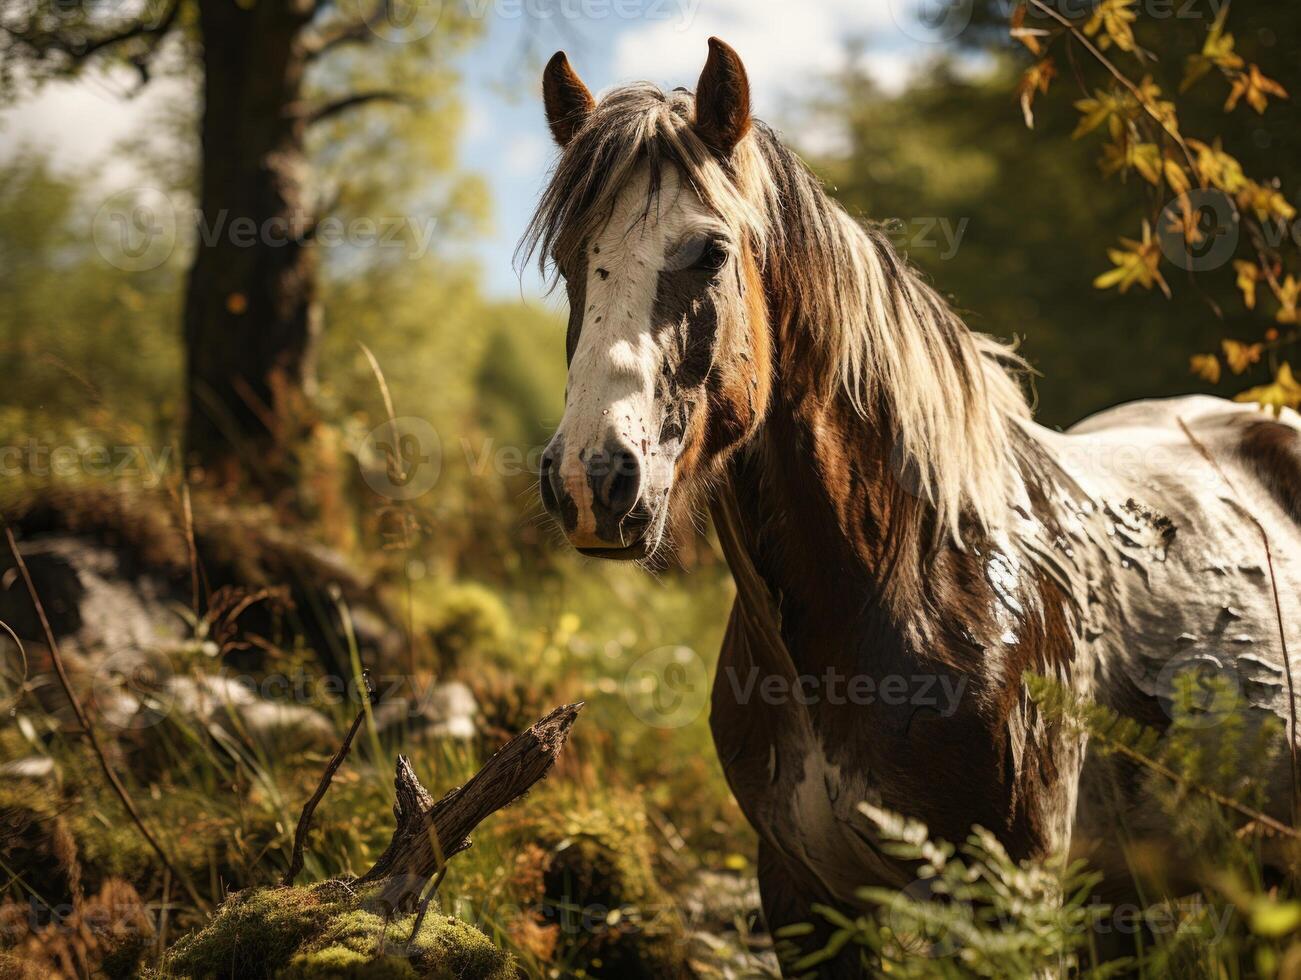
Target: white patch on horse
<point>612,375</point>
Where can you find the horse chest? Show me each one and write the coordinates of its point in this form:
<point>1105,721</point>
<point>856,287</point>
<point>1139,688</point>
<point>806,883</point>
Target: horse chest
<point>813,814</point>
<point>803,795</point>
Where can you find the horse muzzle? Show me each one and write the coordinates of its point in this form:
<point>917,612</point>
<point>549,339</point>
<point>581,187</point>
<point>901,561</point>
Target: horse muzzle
<point>595,495</point>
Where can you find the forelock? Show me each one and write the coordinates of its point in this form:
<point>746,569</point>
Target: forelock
<point>632,127</point>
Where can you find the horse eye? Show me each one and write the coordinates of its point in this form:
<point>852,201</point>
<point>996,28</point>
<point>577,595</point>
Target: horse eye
<point>712,257</point>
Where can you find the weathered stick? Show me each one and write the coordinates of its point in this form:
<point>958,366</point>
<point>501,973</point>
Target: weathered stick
<point>309,808</point>
<point>428,834</point>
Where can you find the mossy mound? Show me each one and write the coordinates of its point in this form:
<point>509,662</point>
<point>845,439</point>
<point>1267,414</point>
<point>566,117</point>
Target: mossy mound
<point>464,621</point>
<point>328,931</point>
<point>36,847</point>
<point>601,889</point>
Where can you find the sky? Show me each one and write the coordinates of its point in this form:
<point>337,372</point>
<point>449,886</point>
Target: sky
<point>787,45</point>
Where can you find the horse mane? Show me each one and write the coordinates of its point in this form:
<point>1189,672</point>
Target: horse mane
<point>947,399</point>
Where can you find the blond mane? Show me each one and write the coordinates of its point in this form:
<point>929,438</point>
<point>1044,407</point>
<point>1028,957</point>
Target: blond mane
<point>901,356</point>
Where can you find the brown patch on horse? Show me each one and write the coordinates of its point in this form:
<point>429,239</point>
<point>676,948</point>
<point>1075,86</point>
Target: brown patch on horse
<point>567,99</point>
<point>1274,451</point>
<point>741,381</point>
<point>722,100</point>
<point>717,374</point>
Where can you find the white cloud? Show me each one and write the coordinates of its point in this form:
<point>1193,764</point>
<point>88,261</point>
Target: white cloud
<point>783,43</point>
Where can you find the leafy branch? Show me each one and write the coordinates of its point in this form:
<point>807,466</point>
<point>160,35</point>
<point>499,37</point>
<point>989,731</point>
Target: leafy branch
<point>1191,179</point>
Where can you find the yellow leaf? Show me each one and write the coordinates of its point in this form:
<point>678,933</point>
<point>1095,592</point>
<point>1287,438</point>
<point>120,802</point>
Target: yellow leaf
<point>1095,112</point>
<point>1288,292</point>
<point>1029,36</point>
<point>1267,202</point>
<point>1149,96</point>
<point>1241,356</point>
<point>1143,157</point>
<point>1205,366</point>
<point>1283,392</point>
<point>1138,263</point>
<point>1274,919</point>
<point>1256,88</point>
<point>1248,277</point>
<point>1111,22</point>
<point>1217,52</point>
<point>1218,168</point>
<point>1036,79</point>
<point>1146,159</point>
<point>1175,176</point>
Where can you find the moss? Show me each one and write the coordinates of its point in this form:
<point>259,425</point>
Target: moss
<point>464,620</point>
<point>346,964</point>
<point>16,968</point>
<point>36,847</point>
<point>327,931</point>
<point>602,891</point>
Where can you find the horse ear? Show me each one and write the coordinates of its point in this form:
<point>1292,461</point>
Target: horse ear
<point>722,99</point>
<point>567,99</point>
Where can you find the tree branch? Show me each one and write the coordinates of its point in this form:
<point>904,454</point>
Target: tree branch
<point>78,50</point>
<point>347,32</point>
<point>338,106</point>
<point>428,834</point>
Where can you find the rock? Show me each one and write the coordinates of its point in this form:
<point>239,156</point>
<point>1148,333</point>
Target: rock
<point>90,601</point>
<point>30,767</point>
<point>231,706</point>
<point>447,710</point>
<point>138,538</point>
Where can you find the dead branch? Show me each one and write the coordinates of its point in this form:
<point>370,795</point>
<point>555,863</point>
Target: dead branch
<point>309,808</point>
<point>428,834</point>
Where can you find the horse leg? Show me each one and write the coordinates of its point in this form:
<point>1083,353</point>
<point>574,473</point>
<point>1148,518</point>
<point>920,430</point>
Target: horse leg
<point>787,900</point>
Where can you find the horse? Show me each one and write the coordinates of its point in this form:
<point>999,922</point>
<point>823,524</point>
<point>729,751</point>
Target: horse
<point>896,521</point>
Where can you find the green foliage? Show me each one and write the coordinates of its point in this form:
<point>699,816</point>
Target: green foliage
<point>1206,206</point>
<point>466,621</point>
<point>1003,222</point>
<point>82,346</point>
<point>973,911</point>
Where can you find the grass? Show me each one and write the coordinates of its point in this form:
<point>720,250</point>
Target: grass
<point>587,876</point>
<point>223,801</point>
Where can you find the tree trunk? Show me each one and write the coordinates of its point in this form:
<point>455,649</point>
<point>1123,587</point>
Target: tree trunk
<point>251,314</point>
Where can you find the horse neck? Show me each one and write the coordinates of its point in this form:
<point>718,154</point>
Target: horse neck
<point>827,520</point>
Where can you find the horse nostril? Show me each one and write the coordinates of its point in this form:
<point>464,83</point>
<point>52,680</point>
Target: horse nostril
<point>546,483</point>
<point>620,488</point>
